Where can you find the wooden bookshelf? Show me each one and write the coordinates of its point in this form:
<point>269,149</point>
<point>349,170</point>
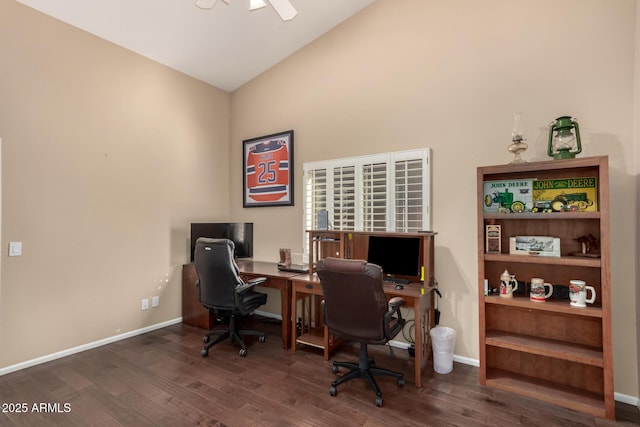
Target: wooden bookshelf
<point>548,350</point>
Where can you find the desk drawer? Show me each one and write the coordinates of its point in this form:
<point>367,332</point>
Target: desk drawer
<point>308,288</point>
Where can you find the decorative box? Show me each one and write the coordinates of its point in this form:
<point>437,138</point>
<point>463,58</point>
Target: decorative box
<point>493,238</point>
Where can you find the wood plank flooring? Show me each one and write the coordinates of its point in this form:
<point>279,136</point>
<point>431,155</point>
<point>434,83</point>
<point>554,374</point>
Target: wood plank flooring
<point>160,379</point>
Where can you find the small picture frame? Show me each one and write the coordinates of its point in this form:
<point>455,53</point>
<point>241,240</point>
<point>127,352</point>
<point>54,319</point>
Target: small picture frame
<point>493,235</point>
<point>535,245</point>
<point>267,164</point>
<point>323,220</point>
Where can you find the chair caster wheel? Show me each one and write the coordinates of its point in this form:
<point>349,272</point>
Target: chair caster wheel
<point>205,339</point>
<point>243,352</point>
<point>379,402</point>
<point>400,382</point>
<point>333,391</point>
<point>334,369</point>
<point>262,338</point>
<point>204,353</point>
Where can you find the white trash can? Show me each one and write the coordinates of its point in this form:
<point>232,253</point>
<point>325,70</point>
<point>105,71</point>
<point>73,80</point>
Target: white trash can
<point>443,340</point>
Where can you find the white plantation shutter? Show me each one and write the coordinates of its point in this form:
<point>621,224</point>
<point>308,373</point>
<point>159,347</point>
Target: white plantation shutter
<point>382,192</point>
<point>315,196</point>
<point>344,198</point>
<point>409,195</point>
<point>374,197</point>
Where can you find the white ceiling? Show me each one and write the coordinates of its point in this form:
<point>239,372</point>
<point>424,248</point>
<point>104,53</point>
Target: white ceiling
<point>225,46</point>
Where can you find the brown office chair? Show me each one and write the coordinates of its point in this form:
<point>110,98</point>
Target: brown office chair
<point>355,309</point>
<point>223,292</point>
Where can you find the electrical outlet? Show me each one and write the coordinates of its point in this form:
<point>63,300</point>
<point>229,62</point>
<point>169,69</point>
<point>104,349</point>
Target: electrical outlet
<point>155,301</point>
<point>144,305</point>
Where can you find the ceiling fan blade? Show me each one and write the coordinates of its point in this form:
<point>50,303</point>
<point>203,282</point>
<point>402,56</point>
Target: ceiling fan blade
<point>284,8</point>
<point>206,4</point>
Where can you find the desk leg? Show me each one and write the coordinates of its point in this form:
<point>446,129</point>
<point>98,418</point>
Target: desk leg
<point>294,315</point>
<point>419,353</point>
<point>285,308</point>
<point>327,343</point>
<point>423,311</point>
<point>423,315</point>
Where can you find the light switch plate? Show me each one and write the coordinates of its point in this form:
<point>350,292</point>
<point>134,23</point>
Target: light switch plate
<point>15,248</point>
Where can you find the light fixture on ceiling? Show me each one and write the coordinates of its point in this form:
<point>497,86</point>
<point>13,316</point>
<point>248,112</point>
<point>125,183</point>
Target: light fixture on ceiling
<point>284,8</point>
<point>256,4</point>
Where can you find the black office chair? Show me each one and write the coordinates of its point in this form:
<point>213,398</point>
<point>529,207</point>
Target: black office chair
<point>223,292</point>
<point>355,308</point>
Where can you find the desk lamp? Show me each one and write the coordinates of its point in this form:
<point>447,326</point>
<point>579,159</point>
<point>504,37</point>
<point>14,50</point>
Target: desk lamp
<point>564,144</point>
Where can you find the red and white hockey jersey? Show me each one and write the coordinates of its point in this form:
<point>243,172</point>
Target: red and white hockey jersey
<point>268,171</point>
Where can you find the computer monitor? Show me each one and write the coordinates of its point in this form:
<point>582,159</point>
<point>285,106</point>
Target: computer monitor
<point>241,233</point>
<point>398,256</point>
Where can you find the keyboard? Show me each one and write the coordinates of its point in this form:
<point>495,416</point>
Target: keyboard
<point>294,268</point>
<point>396,280</point>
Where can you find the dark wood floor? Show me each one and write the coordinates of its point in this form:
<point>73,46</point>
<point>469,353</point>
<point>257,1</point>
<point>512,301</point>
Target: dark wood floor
<point>160,379</point>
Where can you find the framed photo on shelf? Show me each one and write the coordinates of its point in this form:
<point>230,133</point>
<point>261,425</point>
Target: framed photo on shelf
<point>267,164</point>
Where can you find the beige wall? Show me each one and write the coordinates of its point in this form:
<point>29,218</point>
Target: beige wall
<point>448,75</point>
<point>106,159</point>
<point>636,138</point>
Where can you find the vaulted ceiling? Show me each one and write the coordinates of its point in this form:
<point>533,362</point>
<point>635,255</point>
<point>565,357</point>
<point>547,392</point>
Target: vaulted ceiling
<point>225,46</point>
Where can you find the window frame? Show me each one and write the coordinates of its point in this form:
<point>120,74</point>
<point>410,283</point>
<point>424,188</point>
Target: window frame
<point>309,219</point>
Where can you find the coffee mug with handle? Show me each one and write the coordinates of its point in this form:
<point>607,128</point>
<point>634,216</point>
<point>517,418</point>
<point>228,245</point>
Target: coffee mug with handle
<point>578,293</point>
<point>537,291</point>
<point>508,284</point>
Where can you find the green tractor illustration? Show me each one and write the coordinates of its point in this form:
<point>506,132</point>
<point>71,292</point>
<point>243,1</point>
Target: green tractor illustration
<point>505,200</point>
<point>570,202</point>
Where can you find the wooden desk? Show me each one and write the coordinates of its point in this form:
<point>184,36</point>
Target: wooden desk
<point>307,286</point>
<point>194,314</point>
<point>275,279</point>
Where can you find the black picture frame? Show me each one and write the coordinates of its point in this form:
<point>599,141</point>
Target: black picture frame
<point>267,170</point>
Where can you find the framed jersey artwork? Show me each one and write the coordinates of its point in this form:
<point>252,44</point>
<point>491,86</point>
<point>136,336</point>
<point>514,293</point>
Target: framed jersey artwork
<point>267,170</point>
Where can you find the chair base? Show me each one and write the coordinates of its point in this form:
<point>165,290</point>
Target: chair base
<point>366,369</point>
<point>232,333</point>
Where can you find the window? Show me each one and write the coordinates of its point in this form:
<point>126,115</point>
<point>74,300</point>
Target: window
<point>382,192</point>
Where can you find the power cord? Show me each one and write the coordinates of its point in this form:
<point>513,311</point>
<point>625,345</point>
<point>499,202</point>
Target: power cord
<point>409,338</point>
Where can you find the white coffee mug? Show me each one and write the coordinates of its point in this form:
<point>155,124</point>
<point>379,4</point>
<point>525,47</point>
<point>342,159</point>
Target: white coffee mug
<point>537,292</point>
<point>578,293</point>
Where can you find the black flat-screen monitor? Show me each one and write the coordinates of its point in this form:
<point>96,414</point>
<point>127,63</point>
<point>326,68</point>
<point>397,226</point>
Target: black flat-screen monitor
<point>398,256</point>
<point>241,233</point>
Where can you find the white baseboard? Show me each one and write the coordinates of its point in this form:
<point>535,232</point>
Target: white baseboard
<point>620,397</point>
<point>84,347</point>
<point>267,314</point>
<point>625,398</point>
<point>466,361</point>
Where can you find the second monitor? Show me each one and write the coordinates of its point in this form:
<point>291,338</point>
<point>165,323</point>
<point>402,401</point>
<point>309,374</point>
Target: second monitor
<point>399,257</point>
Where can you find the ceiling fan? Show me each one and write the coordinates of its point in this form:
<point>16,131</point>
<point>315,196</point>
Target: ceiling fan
<point>284,8</point>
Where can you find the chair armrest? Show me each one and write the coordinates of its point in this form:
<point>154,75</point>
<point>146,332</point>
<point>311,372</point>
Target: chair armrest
<point>256,281</point>
<point>394,308</point>
<point>250,284</point>
<point>395,303</point>
<point>393,311</point>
